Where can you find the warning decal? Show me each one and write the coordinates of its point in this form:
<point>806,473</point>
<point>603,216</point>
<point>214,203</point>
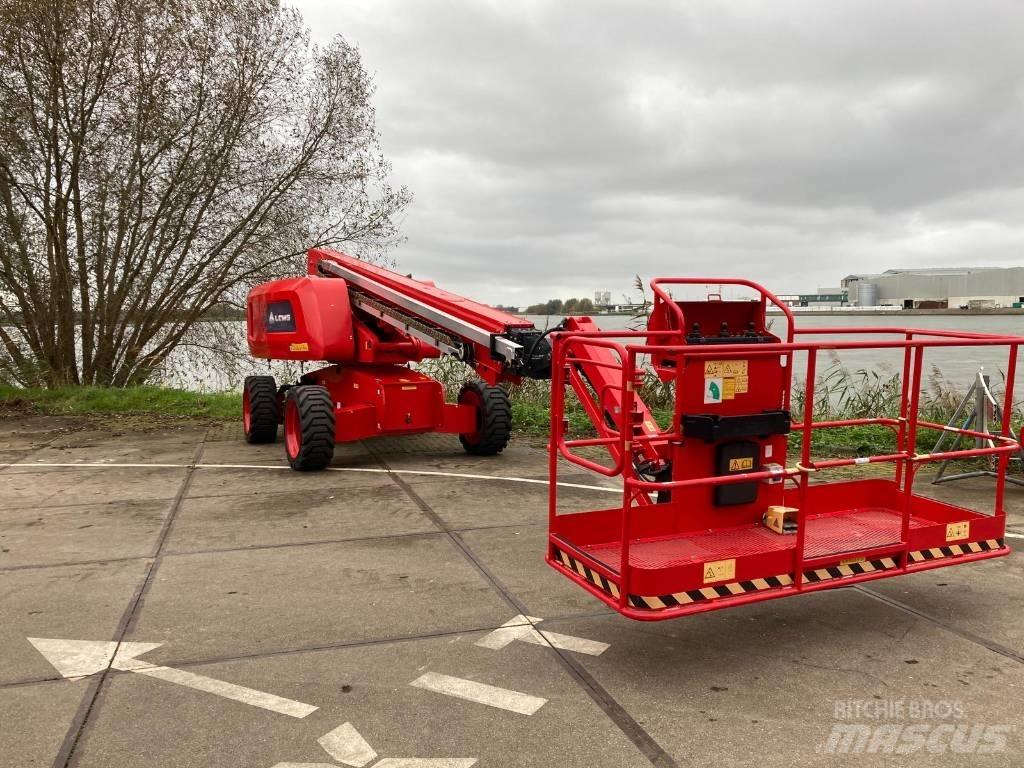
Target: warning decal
<point>719,570</point>
<point>713,390</point>
<point>728,377</point>
<point>725,368</point>
<point>958,531</point>
<point>741,464</point>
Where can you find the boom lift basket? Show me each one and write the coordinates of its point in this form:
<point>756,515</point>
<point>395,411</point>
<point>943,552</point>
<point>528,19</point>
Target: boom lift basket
<point>692,532</point>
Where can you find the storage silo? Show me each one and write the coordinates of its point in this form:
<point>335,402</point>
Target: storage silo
<point>867,295</point>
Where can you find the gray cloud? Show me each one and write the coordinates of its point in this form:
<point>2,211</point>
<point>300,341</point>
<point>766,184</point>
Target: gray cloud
<point>555,149</point>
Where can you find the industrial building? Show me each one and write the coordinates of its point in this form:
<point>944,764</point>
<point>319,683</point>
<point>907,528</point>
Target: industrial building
<point>941,288</point>
<point>824,298</point>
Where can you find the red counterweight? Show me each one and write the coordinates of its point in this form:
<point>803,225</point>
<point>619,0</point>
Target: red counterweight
<point>305,318</point>
<point>301,319</point>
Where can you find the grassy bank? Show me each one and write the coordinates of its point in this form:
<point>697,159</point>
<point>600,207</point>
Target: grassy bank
<point>132,401</point>
<point>840,394</point>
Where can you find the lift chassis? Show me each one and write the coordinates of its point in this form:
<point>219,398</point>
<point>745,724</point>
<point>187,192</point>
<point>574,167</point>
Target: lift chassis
<point>716,509</point>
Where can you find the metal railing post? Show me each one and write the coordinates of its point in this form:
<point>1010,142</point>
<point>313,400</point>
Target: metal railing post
<point>555,432</point>
<point>910,450</point>
<point>1004,431</point>
<point>904,392</point>
<point>805,465</point>
<point>628,470</point>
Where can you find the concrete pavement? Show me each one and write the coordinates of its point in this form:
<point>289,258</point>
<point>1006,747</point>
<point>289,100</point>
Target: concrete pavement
<point>339,589</point>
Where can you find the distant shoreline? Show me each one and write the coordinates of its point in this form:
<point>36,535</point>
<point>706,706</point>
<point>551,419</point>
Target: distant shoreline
<point>851,312</point>
<point>900,312</point>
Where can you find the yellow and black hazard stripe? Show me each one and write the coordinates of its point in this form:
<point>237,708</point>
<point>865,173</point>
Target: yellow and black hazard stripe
<point>843,570</point>
<point>955,550</point>
<point>587,573</point>
<point>658,602</point>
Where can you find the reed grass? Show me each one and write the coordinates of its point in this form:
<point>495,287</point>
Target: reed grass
<point>840,393</point>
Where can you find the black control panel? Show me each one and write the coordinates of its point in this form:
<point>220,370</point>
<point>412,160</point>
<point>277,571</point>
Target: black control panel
<point>713,427</point>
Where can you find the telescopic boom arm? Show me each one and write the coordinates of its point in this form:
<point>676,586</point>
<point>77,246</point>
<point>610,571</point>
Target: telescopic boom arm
<point>499,345</point>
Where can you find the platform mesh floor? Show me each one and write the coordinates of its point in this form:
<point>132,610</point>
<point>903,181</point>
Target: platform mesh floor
<point>834,533</point>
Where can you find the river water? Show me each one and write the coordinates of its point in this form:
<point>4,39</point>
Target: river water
<point>192,368</point>
<point>957,366</point>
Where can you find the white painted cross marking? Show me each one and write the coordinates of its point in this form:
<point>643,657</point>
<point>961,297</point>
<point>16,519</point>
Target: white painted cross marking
<point>515,628</point>
<point>399,762</point>
<point>522,628</point>
<point>567,642</point>
<point>426,762</point>
<point>491,695</point>
<point>347,746</point>
<point>81,658</point>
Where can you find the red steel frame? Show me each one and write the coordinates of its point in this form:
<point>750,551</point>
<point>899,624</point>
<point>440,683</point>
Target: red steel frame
<point>583,546</point>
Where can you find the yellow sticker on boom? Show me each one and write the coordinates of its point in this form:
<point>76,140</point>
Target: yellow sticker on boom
<point>303,347</point>
<point>719,570</point>
<point>741,465</point>
<point>957,531</point>
<point>716,368</point>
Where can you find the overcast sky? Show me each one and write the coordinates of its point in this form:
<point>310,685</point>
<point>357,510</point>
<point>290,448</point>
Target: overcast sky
<point>558,148</point>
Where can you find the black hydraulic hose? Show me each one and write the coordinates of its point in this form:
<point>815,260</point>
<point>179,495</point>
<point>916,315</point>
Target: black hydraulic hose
<point>539,339</point>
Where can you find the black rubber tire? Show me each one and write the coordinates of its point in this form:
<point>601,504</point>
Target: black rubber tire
<point>264,411</point>
<point>494,418</point>
<point>315,418</point>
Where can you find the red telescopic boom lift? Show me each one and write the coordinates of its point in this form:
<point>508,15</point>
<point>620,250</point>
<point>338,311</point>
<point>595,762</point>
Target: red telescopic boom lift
<point>369,323</point>
<point>713,513</point>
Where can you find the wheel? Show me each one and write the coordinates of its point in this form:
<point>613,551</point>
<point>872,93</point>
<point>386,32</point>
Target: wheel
<point>260,411</point>
<point>494,418</point>
<point>309,427</point>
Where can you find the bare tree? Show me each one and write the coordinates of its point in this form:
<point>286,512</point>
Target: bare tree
<point>156,158</point>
